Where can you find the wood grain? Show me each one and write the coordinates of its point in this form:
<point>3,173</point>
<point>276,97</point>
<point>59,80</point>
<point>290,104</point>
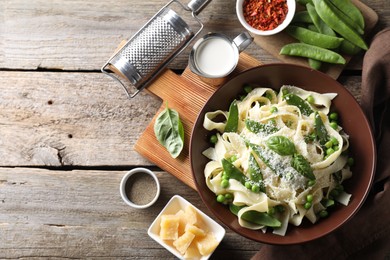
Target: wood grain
<point>63,119</point>
<point>82,34</point>
<point>187,97</point>
<point>80,214</point>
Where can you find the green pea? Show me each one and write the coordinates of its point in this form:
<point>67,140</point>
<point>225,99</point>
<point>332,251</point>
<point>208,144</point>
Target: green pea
<point>334,140</point>
<point>313,38</point>
<point>333,116</point>
<point>329,144</point>
<point>334,125</point>
<point>310,99</point>
<point>273,109</point>
<point>228,196</point>
<point>313,52</point>
<point>307,205</point>
<point>248,185</point>
<point>271,211</point>
<point>225,184</point>
<point>323,213</point>
<point>221,198</point>
<point>311,183</point>
<point>256,188</point>
<point>213,139</point>
<point>248,89</point>
<point>233,158</point>
<point>334,193</point>
<point>329,151</point>
<point>309,198</point>
<point>350,161</point>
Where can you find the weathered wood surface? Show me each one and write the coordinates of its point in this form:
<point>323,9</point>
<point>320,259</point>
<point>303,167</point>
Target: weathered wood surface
<point>67,132</point>
<point>75,119</point>
<point>82,34</point>
<point>71,214</point>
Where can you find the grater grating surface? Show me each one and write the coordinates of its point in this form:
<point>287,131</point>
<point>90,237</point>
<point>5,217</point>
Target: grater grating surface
<point>152,47</point>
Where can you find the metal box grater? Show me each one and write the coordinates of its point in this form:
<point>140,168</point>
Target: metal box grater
<point>153,47</point>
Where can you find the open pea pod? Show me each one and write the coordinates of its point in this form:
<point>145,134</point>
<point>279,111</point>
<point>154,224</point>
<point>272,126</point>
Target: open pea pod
<point>232,171</point>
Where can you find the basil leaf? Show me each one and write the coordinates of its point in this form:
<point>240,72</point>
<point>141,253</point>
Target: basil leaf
<point>169,131</point>
<point>281,145</point>
<point>302,166</point>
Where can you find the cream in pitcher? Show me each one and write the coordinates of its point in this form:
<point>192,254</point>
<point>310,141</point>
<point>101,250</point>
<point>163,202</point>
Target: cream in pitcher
<point>215,56</point>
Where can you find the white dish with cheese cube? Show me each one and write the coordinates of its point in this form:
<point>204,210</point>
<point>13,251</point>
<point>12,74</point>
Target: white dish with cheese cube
<point>186,231</point>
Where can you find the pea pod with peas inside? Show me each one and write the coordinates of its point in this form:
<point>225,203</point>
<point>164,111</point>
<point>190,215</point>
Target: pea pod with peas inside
<point>313,38</point>
<point>232,120</point>
<point>313,52</point>
<point>349,9</point>
<point>326,12</point>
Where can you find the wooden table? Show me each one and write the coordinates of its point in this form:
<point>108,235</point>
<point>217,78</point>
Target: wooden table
<point>67,131</point>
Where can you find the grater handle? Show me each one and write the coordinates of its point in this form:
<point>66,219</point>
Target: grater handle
<point>197,5</point>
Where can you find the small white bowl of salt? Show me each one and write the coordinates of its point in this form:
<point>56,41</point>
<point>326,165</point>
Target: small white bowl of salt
<point>140,188</point>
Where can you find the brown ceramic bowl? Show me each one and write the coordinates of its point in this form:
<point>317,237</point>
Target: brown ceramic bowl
<point>351,118</point>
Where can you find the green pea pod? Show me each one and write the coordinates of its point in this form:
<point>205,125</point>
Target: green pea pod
<point>315,64</point>
<point>313,38</point>
<point>321,26</point>
<point>320,130</point>
<point>304,2</point>
<point>348,9</point>
<point>235,209</point>
<point>232,171</point>
<point>254,172</point>
<point>259,151</point>
<point>328,15</point>
<point>313,52</point>
<point>295,100</point>
<point>302,17</point>
<point>349,48</point>
<point>302,166</point>
<point>261,218</point>
<point>346,19</point>
<point>232,121</point>
<point>313,28</point>
<point>257,127</point>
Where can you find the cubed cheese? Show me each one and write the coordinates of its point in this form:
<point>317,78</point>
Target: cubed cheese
<point>207,244</point>
<point>183,242</point>
<point>169,227</point>
<point>195,230</point>
<point>192,252</point>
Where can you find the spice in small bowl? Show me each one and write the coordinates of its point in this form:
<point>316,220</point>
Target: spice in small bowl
<point>140,188</point>
<point>265,17</point>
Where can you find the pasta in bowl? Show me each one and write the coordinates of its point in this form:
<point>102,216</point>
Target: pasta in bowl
<point>279,166</point>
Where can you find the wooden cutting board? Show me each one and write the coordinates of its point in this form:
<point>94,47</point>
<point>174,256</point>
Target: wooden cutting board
<point>274,43</point>
<point>187,93</point>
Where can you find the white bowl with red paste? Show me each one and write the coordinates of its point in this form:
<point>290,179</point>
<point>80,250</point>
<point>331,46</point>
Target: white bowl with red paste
<point>265,17</point>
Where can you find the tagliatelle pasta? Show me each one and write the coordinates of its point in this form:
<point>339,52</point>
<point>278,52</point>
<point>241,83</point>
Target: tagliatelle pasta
<point>285,159</point>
